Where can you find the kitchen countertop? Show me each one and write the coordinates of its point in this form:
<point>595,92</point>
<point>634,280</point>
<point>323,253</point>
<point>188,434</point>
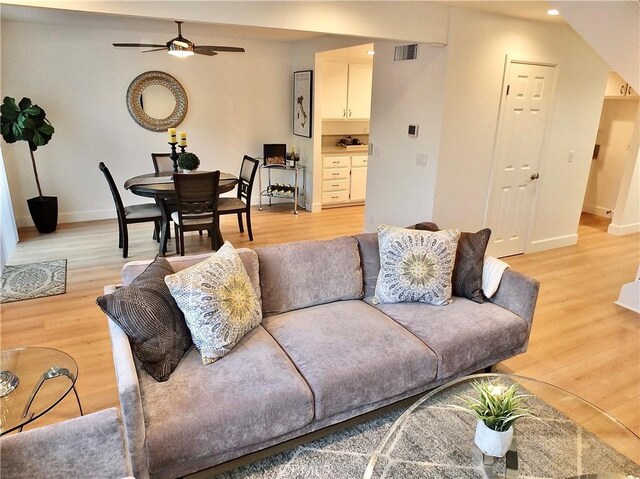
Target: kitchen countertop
<point>335,150</point>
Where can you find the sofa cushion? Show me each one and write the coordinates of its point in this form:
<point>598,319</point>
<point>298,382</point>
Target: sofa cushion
<point>351,354</point>
<point>415,265</point>
<point>303,274</point>
<point>467,271</point>
<point>248,256</point>
<point>252,394</point>
<point>369,261</point>
<point>464,334</point>
<point>148,314</point>
<point>218,302</point>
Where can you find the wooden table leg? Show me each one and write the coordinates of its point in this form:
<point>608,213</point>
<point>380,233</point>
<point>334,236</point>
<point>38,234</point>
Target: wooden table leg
<point>164,229</point>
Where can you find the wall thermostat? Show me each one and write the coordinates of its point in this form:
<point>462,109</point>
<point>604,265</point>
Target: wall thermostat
<point>413,130</point>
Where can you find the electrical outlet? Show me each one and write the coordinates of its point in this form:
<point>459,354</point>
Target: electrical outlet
<point>421,160</point>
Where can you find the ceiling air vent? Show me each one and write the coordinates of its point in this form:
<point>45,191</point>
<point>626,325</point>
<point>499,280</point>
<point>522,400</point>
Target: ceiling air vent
<point>406,52</point>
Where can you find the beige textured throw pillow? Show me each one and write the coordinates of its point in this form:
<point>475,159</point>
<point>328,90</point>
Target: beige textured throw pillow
<point>219,304</point>
<point>415,266</point>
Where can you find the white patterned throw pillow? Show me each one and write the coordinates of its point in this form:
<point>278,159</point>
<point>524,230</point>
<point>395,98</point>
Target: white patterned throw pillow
<point>415,266</point>
<point>218,301</point>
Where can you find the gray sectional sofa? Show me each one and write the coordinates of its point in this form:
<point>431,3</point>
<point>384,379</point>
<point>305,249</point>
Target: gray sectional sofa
<point>323,354</point>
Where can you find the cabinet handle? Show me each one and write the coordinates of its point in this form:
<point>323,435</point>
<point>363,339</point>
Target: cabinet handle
<point>344,112</point>
<point>336,162</point>
<point>349,112</point>
<point>335,197</point>
<point>622,89</point>
<point>335,186</point>
<point>335,174</point>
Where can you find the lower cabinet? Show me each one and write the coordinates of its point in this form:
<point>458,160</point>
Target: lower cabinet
<point>344,180</point>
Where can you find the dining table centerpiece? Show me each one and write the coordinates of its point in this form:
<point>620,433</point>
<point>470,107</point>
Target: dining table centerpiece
<point>188,162</point>
<point>497,408</point>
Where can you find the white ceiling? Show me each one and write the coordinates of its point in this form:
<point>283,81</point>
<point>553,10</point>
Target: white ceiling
<point>135,27</point>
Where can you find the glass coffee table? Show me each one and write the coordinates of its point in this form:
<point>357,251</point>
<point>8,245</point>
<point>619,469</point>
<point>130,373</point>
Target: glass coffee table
<point>32,382</point>
<point>434,440</point>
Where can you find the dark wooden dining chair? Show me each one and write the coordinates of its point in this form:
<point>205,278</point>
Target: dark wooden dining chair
<point>161,162</point>
<point>197,195</point>
<point>242,203</point>
<point>140,213</point>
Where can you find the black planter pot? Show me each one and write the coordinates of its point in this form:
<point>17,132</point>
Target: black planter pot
<point>44,212</point>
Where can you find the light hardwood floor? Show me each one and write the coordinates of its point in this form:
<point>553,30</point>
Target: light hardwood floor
<point>581,341</point>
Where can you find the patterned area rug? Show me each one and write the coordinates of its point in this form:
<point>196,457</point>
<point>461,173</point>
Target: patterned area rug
<point>36,280</point>
<point>346,454</point>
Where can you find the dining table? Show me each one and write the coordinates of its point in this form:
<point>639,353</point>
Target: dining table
<point>161,188</point>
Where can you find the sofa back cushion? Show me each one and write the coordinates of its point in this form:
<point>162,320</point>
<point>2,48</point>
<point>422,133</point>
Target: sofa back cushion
<point>369,261</point>
<point>299,275</point>
<point>249,259</point>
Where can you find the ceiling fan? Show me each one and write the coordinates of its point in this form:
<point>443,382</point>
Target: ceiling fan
<point>181,47</point>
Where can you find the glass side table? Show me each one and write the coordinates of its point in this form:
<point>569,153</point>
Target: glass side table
<point>32,382</point>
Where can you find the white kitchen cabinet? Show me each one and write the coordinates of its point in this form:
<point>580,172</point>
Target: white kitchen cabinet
<point>346,91</point>
<point>344,179</point>
<point>618,88</point>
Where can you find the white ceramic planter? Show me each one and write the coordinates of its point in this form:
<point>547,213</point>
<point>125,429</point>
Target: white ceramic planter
<point>492,443</point>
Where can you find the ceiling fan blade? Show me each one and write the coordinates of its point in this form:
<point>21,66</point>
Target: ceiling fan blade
<point>138,45</point>
<point>155,50</point>
<point>221,49</point>
<point>209,53</point>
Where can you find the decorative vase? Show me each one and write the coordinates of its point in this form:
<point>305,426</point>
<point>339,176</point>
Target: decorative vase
<point>188,171</point>
<point>44,213</point>
<point>492,443</point>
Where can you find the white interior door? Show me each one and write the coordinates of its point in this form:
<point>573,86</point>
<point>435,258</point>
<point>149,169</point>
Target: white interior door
<point>520,145</point>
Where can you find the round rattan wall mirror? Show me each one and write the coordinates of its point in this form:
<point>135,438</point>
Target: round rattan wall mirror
<point>154,95</point>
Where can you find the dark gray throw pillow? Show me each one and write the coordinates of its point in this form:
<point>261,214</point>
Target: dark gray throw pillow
<point>466,281</point>
<point>150,317</point>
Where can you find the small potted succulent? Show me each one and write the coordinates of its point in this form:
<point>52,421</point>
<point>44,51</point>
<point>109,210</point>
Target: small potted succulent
<point>188,162</point>
<point>497,407</point>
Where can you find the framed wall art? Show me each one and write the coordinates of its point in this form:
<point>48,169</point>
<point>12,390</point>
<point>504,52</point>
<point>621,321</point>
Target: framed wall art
<point>302,91</point>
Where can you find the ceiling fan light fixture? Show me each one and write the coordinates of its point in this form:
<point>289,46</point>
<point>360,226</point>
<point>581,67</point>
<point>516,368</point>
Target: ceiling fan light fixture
<point>180,49</point>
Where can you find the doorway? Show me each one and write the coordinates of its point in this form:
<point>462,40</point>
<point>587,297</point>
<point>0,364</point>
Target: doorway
<point>529,90</point>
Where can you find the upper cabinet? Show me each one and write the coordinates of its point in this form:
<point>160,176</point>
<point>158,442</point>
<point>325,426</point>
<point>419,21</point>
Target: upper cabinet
<point>346,90</point>
<point>618,88</point>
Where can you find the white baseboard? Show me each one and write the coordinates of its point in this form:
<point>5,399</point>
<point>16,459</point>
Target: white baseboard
<point>73,217</point>
<point>551,243</point>
<point>598,211</point>
<point>620,230</point>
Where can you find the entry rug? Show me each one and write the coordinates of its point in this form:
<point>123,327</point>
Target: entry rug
<point>35,280</point>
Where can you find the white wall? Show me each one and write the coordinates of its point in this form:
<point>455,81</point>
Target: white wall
<point>399,191</point>
<point>478,45</point>
<point>617,123</point>
<point>237,102</point>
<point>8,231</point>
<point>626,218</point>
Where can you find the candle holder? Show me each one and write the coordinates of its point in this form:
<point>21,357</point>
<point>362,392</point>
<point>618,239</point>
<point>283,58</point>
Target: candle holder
<point>174,156</point>
<point>182,148</point>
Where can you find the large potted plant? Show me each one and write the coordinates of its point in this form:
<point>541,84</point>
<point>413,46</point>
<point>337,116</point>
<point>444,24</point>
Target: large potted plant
<point>28,122</point>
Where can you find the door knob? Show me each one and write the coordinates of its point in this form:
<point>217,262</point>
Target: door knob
<point>535,176</point>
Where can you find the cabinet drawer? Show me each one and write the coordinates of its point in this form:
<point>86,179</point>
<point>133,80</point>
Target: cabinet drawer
<point>335,162</point>
<point>335,185</point>
<point>360,160</point>
<point>335,197</point>
<point>335,173</point>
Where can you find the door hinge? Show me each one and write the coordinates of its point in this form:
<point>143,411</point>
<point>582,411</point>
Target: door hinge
<point>508,87</point>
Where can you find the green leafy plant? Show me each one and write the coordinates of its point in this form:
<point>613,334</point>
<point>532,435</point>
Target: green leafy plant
<point>188,161</point>
<point>25,122</point>
<point>497,406</point>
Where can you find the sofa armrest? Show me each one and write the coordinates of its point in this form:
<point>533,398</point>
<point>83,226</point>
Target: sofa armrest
<point>517,293</point>
<point>130,399</point>
<point>87,446</point>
